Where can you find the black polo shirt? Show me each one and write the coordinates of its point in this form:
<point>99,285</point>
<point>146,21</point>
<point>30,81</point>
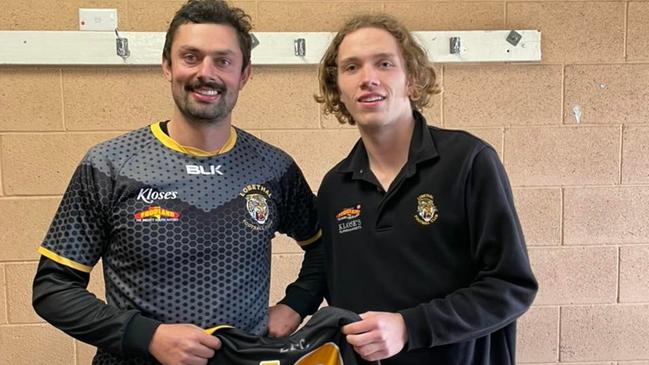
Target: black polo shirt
<point>443,246</point>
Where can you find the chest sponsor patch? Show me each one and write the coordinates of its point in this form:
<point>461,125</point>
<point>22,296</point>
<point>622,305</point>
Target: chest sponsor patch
<point>257,197</point>
<point>349,219</point>
<point>155,213</point>
<point>149,195</point>
<point>426,210</point>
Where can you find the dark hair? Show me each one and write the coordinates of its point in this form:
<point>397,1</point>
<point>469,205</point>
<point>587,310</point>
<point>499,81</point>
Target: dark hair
<point>419,70</point>
<point>216,12</point>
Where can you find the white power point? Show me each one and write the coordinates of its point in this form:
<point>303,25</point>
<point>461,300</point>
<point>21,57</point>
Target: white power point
<point>97,19</point>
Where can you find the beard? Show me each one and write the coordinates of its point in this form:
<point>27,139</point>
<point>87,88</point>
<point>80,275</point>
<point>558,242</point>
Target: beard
<point>203,112</point>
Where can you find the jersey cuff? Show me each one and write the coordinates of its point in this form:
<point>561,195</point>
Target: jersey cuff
<point>300,301</point>
<point>418,328</point>
<point>64,261</point>
<point>309,241</point>
<point>139,333</point>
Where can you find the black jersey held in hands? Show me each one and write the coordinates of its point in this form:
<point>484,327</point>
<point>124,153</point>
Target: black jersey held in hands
<point>319,342</point>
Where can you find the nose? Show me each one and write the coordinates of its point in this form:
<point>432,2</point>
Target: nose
<point>206,69</point>
<point>369,77</point>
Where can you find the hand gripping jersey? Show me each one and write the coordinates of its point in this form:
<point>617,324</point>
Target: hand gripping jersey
<point>319,342</point>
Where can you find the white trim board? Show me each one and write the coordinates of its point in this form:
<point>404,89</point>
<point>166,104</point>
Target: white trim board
<point>275,48</point>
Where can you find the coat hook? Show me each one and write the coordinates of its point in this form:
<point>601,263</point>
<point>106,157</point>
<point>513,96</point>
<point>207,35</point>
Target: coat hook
<point>455,45</point>
<point>255,41</point>
<point>122,46</point>
<point>514,37</point>
<point>299,46</point>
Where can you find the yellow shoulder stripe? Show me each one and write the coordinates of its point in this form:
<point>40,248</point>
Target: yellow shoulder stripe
<point>63,261</point>
<point>310,240</point>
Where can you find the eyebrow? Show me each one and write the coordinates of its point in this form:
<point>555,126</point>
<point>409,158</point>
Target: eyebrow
<point>374,56</point>
<point>226,52</point>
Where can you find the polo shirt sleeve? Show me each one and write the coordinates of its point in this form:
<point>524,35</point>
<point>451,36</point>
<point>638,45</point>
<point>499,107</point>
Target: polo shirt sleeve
<point>504,286</point>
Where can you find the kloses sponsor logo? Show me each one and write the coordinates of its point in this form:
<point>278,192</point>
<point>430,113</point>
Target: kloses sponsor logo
<point>349,219</point>
<point>149,195</point>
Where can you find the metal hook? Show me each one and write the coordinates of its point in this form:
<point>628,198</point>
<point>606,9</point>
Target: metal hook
<point>299,46</point>
<point>514,37</point>
<point>122,46</point>
<point>255,41</point>
<point>455,45</point>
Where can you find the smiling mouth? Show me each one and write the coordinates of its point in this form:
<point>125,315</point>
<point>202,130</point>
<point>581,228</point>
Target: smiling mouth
<point>371,99</point>
<point>207,91</point>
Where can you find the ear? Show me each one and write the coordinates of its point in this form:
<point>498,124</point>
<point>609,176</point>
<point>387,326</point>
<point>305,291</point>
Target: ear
<point>166,69</point>
<point>245,76</point>
<point>410,82</point>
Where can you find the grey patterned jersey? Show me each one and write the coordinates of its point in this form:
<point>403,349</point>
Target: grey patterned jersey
<point>183,238</point>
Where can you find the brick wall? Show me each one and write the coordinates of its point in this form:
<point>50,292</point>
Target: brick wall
<point>581,187</point>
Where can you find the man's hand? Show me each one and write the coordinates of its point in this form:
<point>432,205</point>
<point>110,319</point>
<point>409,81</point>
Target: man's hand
<point>378,335</point>
<point>282,320</point>
<point>182,344</point>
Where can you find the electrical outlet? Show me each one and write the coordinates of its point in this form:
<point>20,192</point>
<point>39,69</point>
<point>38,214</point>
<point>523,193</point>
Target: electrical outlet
<point>97,19</point>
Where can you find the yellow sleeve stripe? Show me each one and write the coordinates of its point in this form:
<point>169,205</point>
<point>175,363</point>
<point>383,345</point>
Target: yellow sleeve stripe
<point>210,331</point>
<point>310,240</point>
<point>63,261</point>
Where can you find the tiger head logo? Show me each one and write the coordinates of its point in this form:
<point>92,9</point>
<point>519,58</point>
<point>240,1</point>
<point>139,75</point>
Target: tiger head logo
<point>257,207</point>
<point>426,209</point>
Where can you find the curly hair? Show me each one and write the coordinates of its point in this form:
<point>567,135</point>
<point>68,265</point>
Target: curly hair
<point>212,12</point>
<point>420,72</point>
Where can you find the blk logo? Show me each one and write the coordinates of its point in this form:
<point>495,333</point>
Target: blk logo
<point>202,170</point>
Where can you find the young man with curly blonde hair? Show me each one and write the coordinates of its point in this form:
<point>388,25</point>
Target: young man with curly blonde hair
<point>419,226</point>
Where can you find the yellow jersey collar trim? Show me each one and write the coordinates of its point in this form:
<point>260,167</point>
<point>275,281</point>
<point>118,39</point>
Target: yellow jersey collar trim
<point>171,143</point>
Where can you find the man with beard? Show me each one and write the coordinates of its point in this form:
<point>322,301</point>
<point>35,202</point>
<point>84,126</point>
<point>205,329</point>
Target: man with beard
<point>181,214</point>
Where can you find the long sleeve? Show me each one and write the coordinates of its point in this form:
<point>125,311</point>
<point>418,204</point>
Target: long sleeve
<point>305,294</point>
<point>504,286</point>
<point>60,296</point>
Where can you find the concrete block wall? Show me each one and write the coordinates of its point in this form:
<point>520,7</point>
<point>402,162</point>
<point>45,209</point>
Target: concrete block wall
<point>581,185</point>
